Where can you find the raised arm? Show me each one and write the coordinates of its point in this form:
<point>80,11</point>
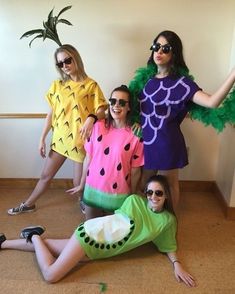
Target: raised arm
<point>180,273</point>
<point>214,100</point>
<point>45,131</point>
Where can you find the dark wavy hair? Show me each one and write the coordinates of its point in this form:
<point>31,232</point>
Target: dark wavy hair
<point>109,118</point>
<point>178,64</point>
<point>162,180</point>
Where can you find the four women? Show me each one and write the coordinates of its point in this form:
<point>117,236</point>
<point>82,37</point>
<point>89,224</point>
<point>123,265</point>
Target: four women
<point>114,155</point>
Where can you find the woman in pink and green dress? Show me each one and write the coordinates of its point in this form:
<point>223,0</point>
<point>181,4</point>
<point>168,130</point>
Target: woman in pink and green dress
<point>114,156</point>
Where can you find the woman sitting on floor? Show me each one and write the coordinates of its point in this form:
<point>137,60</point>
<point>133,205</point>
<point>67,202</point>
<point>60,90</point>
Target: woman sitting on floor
<point>136,222</point>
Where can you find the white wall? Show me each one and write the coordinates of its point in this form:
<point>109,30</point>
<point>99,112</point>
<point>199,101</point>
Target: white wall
<point>113,38</point>
<point>225,176</point>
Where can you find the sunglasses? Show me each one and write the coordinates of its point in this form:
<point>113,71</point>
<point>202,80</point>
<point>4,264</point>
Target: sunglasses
<point>165,48</point>
<point>158,193</point>
<point>66,61</point>
<point>121,102</point>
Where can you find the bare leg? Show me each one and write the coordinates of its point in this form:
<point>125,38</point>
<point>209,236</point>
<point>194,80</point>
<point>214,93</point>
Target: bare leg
<point>55,269</point>
<point>173,180</point>
<point>53,163</point>
<point>54,245</point>
<point>146,174</point>
<point>77,173</point>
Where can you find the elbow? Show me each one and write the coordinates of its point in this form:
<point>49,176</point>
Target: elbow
<point>50,278</point>
<point>213,105</point>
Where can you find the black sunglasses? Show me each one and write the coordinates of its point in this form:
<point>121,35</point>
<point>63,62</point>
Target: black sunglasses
<point>66,61</point>
<point>121,102</point>
<point>158,193</point>
<point>165,48</point>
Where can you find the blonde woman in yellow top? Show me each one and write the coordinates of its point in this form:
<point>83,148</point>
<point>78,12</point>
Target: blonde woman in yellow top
<point>76,102</point>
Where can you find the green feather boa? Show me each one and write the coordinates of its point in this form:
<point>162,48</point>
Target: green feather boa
<point>216,117</point>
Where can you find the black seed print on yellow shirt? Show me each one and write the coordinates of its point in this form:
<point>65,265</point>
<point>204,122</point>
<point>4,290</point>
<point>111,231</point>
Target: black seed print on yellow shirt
<point>58,98</point>
<point>75,107</point>
<point>62,112</point>
<point>79,119</point>
<point>66,124</point>
<point>70,135</point>
<point>66,153</point>
<point>68,88</point>
<point>106,151</point>
<point>127,147</point>
<point>72,95</point>
<point>53,145</point>
<point>61,140</point>
<point>75,149</point>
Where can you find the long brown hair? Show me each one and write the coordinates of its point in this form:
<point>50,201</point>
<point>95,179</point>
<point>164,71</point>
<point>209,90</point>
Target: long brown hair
<point>71,51</point>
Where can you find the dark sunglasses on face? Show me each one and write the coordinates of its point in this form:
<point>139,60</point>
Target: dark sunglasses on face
<point>165,48</point>
<point>121,102</point>
<point>158,193</point>
<point>66,61</point>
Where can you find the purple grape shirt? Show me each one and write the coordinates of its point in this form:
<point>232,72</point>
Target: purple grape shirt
<point>164,104</point>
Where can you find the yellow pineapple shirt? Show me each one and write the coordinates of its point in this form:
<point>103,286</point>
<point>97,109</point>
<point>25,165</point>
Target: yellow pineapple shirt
<point>71,103</point>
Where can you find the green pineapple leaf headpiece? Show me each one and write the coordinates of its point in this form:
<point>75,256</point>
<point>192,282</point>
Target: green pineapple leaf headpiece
<point>49,31</point>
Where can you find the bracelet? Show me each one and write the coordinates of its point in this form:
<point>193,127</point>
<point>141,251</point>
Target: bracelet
<point>93,116</point>
<point>173,262</point>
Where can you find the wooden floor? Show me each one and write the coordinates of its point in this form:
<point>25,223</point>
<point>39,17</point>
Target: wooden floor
<point>206,247</point>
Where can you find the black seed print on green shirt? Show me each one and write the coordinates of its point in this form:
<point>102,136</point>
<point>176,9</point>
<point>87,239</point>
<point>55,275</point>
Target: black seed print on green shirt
<point>127,147</point>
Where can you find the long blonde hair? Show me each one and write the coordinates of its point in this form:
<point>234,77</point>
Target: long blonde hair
<point>71,51</point>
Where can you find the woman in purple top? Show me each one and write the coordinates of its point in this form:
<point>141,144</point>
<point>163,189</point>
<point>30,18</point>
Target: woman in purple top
<point>164,103</point>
